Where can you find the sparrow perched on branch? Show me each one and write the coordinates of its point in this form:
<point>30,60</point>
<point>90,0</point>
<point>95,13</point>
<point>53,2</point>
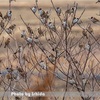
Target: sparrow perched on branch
<point>7,42</point>
<point>9,69</point>
<point>84,32</point>
<point>41,12</point>
<point>21,72</point>
<point>43,65</point>
<point>94,20</point>
<point>51,58</point>
<point>70,10</point>
<point>23,33</point>
<point>20,69</point>
<point>9,13</point>
<point>29,40</point>
<point>36,39</point>
<point>30,30</point>
<point>58,10</point>
<point>44,20</point>
<point>9,31</point>
<point>76,21</point>
<point>12,27</point>
<point>87,46</point>
<point>64,24</point>
<point>89,29</point>
<point>52,26</point>
<point>40,31</point>
<point>19,50</point>
<point>34,9</point>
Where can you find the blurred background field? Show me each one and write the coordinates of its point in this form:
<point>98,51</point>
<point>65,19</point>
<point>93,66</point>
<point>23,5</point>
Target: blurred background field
<point>22,7</point>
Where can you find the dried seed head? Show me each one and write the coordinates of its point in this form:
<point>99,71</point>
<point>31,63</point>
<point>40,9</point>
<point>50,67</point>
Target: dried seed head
<point>58,10</point>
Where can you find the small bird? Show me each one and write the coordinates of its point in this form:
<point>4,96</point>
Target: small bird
<point>29,40</point>
<point>51,58</point>
<point>9,76</point>
<point>3,73</point>
<point>46,14</point>
<point>58,10</point>
<point>9,69</point>
<point>94,20</point>
<point>89,29</point>
<point>44,20</point>
<point>40,31</point>
<point>36,39</point>
<point>70,10</point>
<point>9,31</point>
<point>30,30</point>
<point>20,69</point>
<point>88,46</point>
<point>76,21</point>
<point>19,50</point>
<point>21,72</point>
<point>12,27</point>
<point>23,34</point>
<point>41,12</point>
<point>52,26</point>
<point>64,24</point>
<point>84,32</point>
<point>71,81</point>
<point>43,65</point>
<point>34,9</point>
<point>9,13</point>
<point>81,45</point>
<point>98,1</point>
<point>15,74</point>
<point>74,8</point>
<point>7,42</point>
